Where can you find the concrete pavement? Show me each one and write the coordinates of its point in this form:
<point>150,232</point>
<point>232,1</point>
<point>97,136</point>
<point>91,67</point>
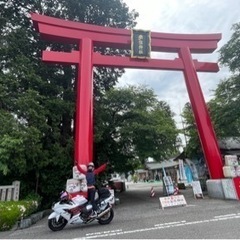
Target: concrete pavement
<point>140,216</point>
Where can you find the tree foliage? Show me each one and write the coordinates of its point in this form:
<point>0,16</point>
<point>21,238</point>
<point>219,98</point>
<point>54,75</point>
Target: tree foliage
<point>193,147</point>
<point>134,125</point>
<point>225,105</point>
<point>225,108</point>
<point>37,101</point>
<point>230,52</point>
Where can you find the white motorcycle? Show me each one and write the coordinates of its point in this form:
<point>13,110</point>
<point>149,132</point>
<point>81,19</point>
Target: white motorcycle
<point>79,211</point>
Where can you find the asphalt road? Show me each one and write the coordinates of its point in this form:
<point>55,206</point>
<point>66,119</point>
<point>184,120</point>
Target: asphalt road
<point>139,216</point>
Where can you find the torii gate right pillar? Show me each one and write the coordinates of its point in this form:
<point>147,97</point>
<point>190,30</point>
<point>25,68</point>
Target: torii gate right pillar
<point>205,129</point>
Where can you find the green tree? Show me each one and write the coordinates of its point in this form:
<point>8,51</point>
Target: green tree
<point>193,147</point>
<point>230,52</point>
<point>37,101</point>
<point>225,104</point>
<point>225,108</point>
<point>134,126</point>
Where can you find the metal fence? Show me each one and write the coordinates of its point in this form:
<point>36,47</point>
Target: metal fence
<point>10,192</point>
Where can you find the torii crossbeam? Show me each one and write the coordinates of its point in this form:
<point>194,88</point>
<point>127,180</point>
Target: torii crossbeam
<point>87,36</point>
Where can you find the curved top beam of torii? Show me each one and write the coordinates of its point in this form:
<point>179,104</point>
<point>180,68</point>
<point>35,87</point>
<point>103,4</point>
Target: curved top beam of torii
<point>69,31</point>
<point>60,30</point>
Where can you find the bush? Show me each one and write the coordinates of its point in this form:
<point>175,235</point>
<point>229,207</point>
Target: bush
<point>11,212</point>
<point>35,198</point>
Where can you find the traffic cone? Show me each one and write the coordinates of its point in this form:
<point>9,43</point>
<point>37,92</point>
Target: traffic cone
<point>152,192</point>
<point>176,191</point>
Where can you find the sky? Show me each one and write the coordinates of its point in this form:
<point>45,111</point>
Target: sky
<point>182,16</point>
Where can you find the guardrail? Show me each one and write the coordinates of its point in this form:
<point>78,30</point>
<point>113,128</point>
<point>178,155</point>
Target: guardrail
<point>10,192</point>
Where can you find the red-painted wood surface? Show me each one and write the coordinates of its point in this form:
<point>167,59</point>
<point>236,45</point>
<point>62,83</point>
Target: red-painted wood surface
<point>87,36</point>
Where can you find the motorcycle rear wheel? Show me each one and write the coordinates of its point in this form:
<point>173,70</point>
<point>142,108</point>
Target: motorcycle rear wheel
<point>55,225</point>
<point>107,218</point>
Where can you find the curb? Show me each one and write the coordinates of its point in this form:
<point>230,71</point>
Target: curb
<point>32,219</point>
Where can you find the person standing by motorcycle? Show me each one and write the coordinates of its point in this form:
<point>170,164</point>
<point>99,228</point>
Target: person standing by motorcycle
<point>91,181</point>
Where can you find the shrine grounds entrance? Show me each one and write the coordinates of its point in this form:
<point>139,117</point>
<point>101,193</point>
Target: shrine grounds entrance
<point>88,36</point>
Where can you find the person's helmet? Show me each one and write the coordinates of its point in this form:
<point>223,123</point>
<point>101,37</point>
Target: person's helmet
<point>91,164</point>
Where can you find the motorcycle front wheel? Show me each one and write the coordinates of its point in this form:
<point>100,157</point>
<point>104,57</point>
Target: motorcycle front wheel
<point>55,225</point>
<point>107,218</point>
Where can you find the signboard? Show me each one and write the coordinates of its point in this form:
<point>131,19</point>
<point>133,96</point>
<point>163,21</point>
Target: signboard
<point>172,201</point>
<point>182,174</point>
<point>197,190</point>
<point>140,43</point>
<point>168,187</point>
<point>73,186</point>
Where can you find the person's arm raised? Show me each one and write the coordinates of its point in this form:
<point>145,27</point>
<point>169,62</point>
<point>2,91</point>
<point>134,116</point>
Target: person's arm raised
<point>100,169</point>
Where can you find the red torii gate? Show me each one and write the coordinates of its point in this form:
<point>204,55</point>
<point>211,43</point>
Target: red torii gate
<point>87,36</point>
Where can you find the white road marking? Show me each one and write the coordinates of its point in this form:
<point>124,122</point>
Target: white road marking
<point>159,226</point>
<point>105,232</point>
<point>170,223</point>
<point>227,215</point>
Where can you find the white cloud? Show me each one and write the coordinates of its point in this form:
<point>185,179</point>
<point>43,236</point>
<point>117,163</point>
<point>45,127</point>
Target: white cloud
<point>185,16</point>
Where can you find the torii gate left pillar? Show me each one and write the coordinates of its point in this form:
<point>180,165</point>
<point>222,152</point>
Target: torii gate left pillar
<point>84,105</point>
<point>87,36</point>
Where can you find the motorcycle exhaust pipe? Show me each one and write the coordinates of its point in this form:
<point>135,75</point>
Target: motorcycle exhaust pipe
<point>104,212</point>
